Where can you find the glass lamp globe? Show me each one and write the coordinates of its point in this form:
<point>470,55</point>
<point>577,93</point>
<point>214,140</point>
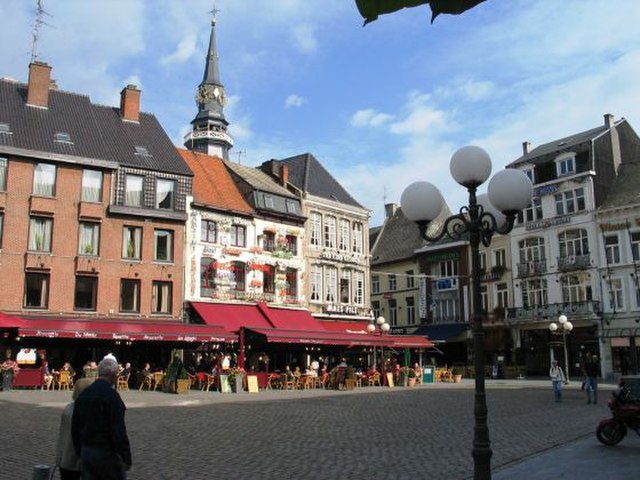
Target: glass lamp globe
<point>470,166</point>
<point>510,190</point>
<point>385,327</point>
<point>421,201</point>
<point>553,326</point>
<point>562,319</point>
<point>371,328</point>
<point>380,320</point>
<point>568,326</point>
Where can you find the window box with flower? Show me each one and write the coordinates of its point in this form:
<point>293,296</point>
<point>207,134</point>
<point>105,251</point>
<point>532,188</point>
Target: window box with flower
<point>9,369</point>
<point>235,376</point>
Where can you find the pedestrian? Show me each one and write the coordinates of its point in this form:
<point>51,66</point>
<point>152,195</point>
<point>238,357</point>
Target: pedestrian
<point>66,459</point>
<point>557,379</point>
<point>591,369</point>
<point>98,429</point>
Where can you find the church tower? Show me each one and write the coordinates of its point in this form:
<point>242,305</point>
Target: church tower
<point>209,128</point>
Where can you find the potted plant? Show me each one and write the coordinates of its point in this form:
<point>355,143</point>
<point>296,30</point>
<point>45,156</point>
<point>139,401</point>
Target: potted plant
<point>9,369</point>
<point>183,383</point>
<point>236,379</point>
<point>457,374</point>
<point>412,377</point>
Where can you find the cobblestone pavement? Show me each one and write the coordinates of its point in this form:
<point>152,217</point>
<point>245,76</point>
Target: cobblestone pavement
<point>369,433</point>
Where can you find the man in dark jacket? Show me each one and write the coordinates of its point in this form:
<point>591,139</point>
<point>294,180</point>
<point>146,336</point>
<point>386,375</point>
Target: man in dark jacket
<point>98,430</point>
<point>591,370</point>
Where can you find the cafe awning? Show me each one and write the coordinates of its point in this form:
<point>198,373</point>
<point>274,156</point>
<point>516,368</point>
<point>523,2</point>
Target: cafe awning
<point>318,337</point>
<point>232,317</point>
<point>346,327</point>
<point>8,321</point>
<point>391,340</point>
<point>119,330</point>
<point>290,318</point>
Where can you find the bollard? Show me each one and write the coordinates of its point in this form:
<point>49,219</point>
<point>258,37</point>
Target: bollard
<point>41,472</point>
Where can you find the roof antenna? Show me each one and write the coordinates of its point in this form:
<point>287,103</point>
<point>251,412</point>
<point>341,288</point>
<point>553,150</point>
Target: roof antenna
<point>35,33</point>
<point>241,153</point>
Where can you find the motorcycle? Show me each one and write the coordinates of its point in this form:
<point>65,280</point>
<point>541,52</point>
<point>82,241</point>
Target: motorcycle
<point>624,404</point>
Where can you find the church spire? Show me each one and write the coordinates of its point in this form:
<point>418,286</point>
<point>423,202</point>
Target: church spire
<point>209,127</point>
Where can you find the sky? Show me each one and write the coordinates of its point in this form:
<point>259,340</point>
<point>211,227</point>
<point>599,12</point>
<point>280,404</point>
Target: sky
<point>380,107</point>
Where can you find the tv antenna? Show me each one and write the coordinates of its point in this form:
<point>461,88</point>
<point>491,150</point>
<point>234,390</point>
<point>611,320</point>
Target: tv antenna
<point>35,33</point>
<point>241,153</point>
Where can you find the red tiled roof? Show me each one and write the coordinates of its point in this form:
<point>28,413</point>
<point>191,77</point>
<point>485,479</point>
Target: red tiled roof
<point>212,184</point>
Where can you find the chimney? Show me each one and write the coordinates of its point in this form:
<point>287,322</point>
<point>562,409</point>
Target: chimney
<point>130,103</point>
<point>38,87</point>
<point>608,120</point>
<point>526,148</point>
<point>390,209</point>
<point>284,174</point>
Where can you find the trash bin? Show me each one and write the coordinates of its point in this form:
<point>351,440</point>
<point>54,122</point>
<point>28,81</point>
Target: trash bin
<point>428,374</point>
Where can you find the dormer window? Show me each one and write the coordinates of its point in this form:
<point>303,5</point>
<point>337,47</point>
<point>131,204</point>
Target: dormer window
<point>566,165</point>
<point>529,173</point>
<point>268,201</point>
<point>5,129</point>
<point>143,151</point>
<point>62,137</point>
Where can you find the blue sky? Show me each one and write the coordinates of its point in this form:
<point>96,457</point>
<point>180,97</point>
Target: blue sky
<point>380,106</point>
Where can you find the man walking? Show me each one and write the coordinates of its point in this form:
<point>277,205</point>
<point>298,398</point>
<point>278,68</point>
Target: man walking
<point>98,430</point>
<point>591,370</point>
<point>557,379</point>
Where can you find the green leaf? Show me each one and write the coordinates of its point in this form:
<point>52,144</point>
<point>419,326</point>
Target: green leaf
<point>453,7</point>
<point>371,9</point>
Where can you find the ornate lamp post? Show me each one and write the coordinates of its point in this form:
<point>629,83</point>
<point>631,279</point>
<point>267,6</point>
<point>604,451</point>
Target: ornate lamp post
<point>509,192</point>
<point>381,325</point>
<point>566,326</point>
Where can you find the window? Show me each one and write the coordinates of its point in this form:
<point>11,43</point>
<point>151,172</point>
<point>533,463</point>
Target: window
<point>359,293</point>
<point>163,246</point>
<point>161,297</point>
<point>3,174</point>
<point>573,242</point>
<point>410,279</point>
<point>534,211</point>
<point>635,245</point>
<point>570,201</point>
<point>129,295</point>
<point>411,311</point>
<point>292,283</point>
<point>165,196</point>
<point>330,232</point>
<point>316,228</point>
<point>316,283</point>
<point>131,242</point>
<point>566,166</point>
<point>268,201</point>
<point>330,281</point>
<point>449,268</point>
<point>574,289</point>
<point>393,312</point>
<point>268,241</point>
<point>89,241</point>
<point>345,287</point>
<point>208,231</point>
<point>393,283</point>
<point>36,290</point>
<point>375,284</point>
<point>500,257</point>
<point>502,295</point>
<point>237,276</point>
<point>532,250</point>
<point>133,191</point>
<point>345,228</point>
<point>291,206</point>
<point>207,276</point>
<point>237,235</point>
<point>1,227</point>
<point>530,173</point>
<point>292,244</point>
<point>40,234</point>
<point>269,279</point>
<point>484,298</point>
<point>534,293</point>
<point>44,180</point>
<point>616,298</point>
<point>86,294</point>
<point>483,261</point>
<point>375,307</point>
<point>445,310</point>
<point>62,137</point>
<point>91,186</point>
<point>357,238</point>
<point>612,249</point>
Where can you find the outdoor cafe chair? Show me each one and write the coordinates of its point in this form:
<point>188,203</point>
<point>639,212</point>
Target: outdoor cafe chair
<point>147,381</point>
<point>123,382</point>
<point>210,380</point>
<point>64,380</point>
<point>158,379</point>
<point>374,379</point>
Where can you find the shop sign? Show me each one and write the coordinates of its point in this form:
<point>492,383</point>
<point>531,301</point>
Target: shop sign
<point>546,190</point>
<point>443,257</point>
<point>343,309</point>
<point>547,223</point>
<point>610,227</point>
<point>86,334</point>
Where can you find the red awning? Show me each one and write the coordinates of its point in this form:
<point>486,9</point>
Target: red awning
<point>7,321</point>
<point>319,337</point>
<point>410,341</point>
<point>346,327</point>
<point>232,317</point>
<point>132,331</point>
<point>290,319</point>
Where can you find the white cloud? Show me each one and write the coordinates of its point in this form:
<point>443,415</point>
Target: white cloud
<point>369,118</point>
<point>184,51</point>
<point>422,117</point>
<point>294,100</point>
<point>304,37</point>
<point>466,89</point>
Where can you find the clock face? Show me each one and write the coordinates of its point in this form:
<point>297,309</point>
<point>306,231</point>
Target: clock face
<point>207,93</point>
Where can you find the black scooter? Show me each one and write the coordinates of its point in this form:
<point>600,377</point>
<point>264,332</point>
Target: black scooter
<point>624,404</point>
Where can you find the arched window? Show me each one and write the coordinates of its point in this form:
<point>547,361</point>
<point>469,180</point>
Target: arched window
<point>532,250</point>
<point>238,276</point>
<point>573,242</point>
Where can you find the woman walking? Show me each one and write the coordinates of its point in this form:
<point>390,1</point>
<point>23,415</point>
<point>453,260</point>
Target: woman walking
<point>557,379</point>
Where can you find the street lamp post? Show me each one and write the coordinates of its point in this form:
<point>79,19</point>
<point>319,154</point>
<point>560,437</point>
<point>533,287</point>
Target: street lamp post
<point>485,215</point>
<point>381,325</point>
<point>566,326</point>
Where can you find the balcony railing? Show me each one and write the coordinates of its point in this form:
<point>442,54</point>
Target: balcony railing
<point>529,269</point>
<point>539,313</point>
<point>574,262</point>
